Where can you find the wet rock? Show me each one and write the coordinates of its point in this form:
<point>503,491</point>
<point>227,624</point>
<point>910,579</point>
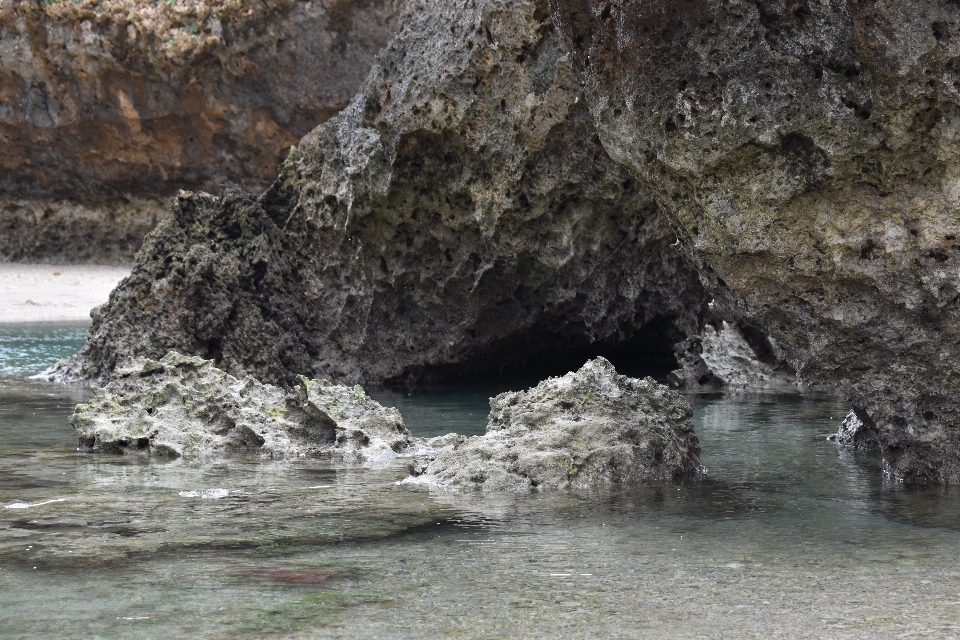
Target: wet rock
<point>592,427</point>
<point>183,406</point>
<point>725,360</point>
<point>811,162</point>
<point>460,215</point>
<point>112,105</point>
<point>856,432</point>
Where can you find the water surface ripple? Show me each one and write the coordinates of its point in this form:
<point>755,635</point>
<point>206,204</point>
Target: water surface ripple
<point>786,537</point>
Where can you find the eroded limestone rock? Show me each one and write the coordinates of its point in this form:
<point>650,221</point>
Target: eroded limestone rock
<point>856,431</point>
<point>810,154</point>
<point>461,212</point>
<point>111,105</point>
<point>183,406</point>
<point>589,428</point>
<point>729,359</point>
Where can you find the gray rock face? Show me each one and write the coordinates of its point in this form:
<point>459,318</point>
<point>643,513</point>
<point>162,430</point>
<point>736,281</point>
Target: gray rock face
<point>592,427</point>
<point>109,105</point>
<point>855,432</point>
<point>810,154</point>
<point>183,406</point>
<point>461,212</point>
<point>731,359</point>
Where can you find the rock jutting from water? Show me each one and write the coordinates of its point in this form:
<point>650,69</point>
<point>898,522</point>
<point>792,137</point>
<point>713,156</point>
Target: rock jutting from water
<point>856,431</point>
<point>108,108</point>
<point>589,428</point>
<point>460,213</point>
<point>183,406</point>
<point>731,358</point>
<point>809,154</point>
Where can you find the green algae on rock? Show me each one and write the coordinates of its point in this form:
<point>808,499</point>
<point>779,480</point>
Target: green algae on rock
<point>183,406</point>
<point>460,213</point>
<point>589,428</point>
<point>809,153</point>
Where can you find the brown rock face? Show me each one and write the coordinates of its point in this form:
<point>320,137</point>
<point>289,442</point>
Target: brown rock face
<point>460,212</point>
<point>121,101</point>
<point>810,153</point>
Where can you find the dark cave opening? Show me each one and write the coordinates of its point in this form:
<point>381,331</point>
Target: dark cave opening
<point>525,359</point>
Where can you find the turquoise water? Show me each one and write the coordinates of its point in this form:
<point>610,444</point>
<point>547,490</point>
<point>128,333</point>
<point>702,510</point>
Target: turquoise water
<point>24,348</point>
<point>787,537</point>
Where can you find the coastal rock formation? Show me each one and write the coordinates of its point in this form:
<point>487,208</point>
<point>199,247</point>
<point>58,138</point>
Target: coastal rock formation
<point>592,427</point>
<point>183,406</point>
<point>856,433</point>
<point>106,106</point>
<point>731,358</point>
<point>810,155</point>
<point>460,213</point>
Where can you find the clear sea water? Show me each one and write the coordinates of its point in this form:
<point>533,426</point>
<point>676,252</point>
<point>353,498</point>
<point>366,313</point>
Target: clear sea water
<point>787,537</point>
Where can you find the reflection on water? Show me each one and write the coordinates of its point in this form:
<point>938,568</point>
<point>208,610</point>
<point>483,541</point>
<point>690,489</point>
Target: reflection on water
<point>786,537</point>
<point>436,413</point>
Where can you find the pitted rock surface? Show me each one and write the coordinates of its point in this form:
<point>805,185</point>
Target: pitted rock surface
<point>729,359</point>
<point>589,428</point>
<point>460,213</point>
<point>856,432</point>
<point>183,406</point>
<point>809,153</point>
<point>108,106</point>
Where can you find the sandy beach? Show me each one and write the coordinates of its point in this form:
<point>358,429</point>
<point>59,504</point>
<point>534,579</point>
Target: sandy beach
<point>52,293</point>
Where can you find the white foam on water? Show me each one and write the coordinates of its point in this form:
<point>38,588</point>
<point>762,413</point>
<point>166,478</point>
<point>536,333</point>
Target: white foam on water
<point>24,505</point>
<point>209,494</point>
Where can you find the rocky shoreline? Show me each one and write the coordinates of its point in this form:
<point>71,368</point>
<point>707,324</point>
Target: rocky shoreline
<point>516,181</point>
<point>590,428</point>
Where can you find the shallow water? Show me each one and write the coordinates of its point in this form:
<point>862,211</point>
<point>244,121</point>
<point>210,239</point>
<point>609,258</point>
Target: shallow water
<point>788,536</point>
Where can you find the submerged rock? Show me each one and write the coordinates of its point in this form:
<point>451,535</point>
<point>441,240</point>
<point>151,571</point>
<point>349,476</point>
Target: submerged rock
<point>460,215</point>
<point>809,153</point>
<point>726,360</point>
<point>183,406</point>
<point>589,428</point>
